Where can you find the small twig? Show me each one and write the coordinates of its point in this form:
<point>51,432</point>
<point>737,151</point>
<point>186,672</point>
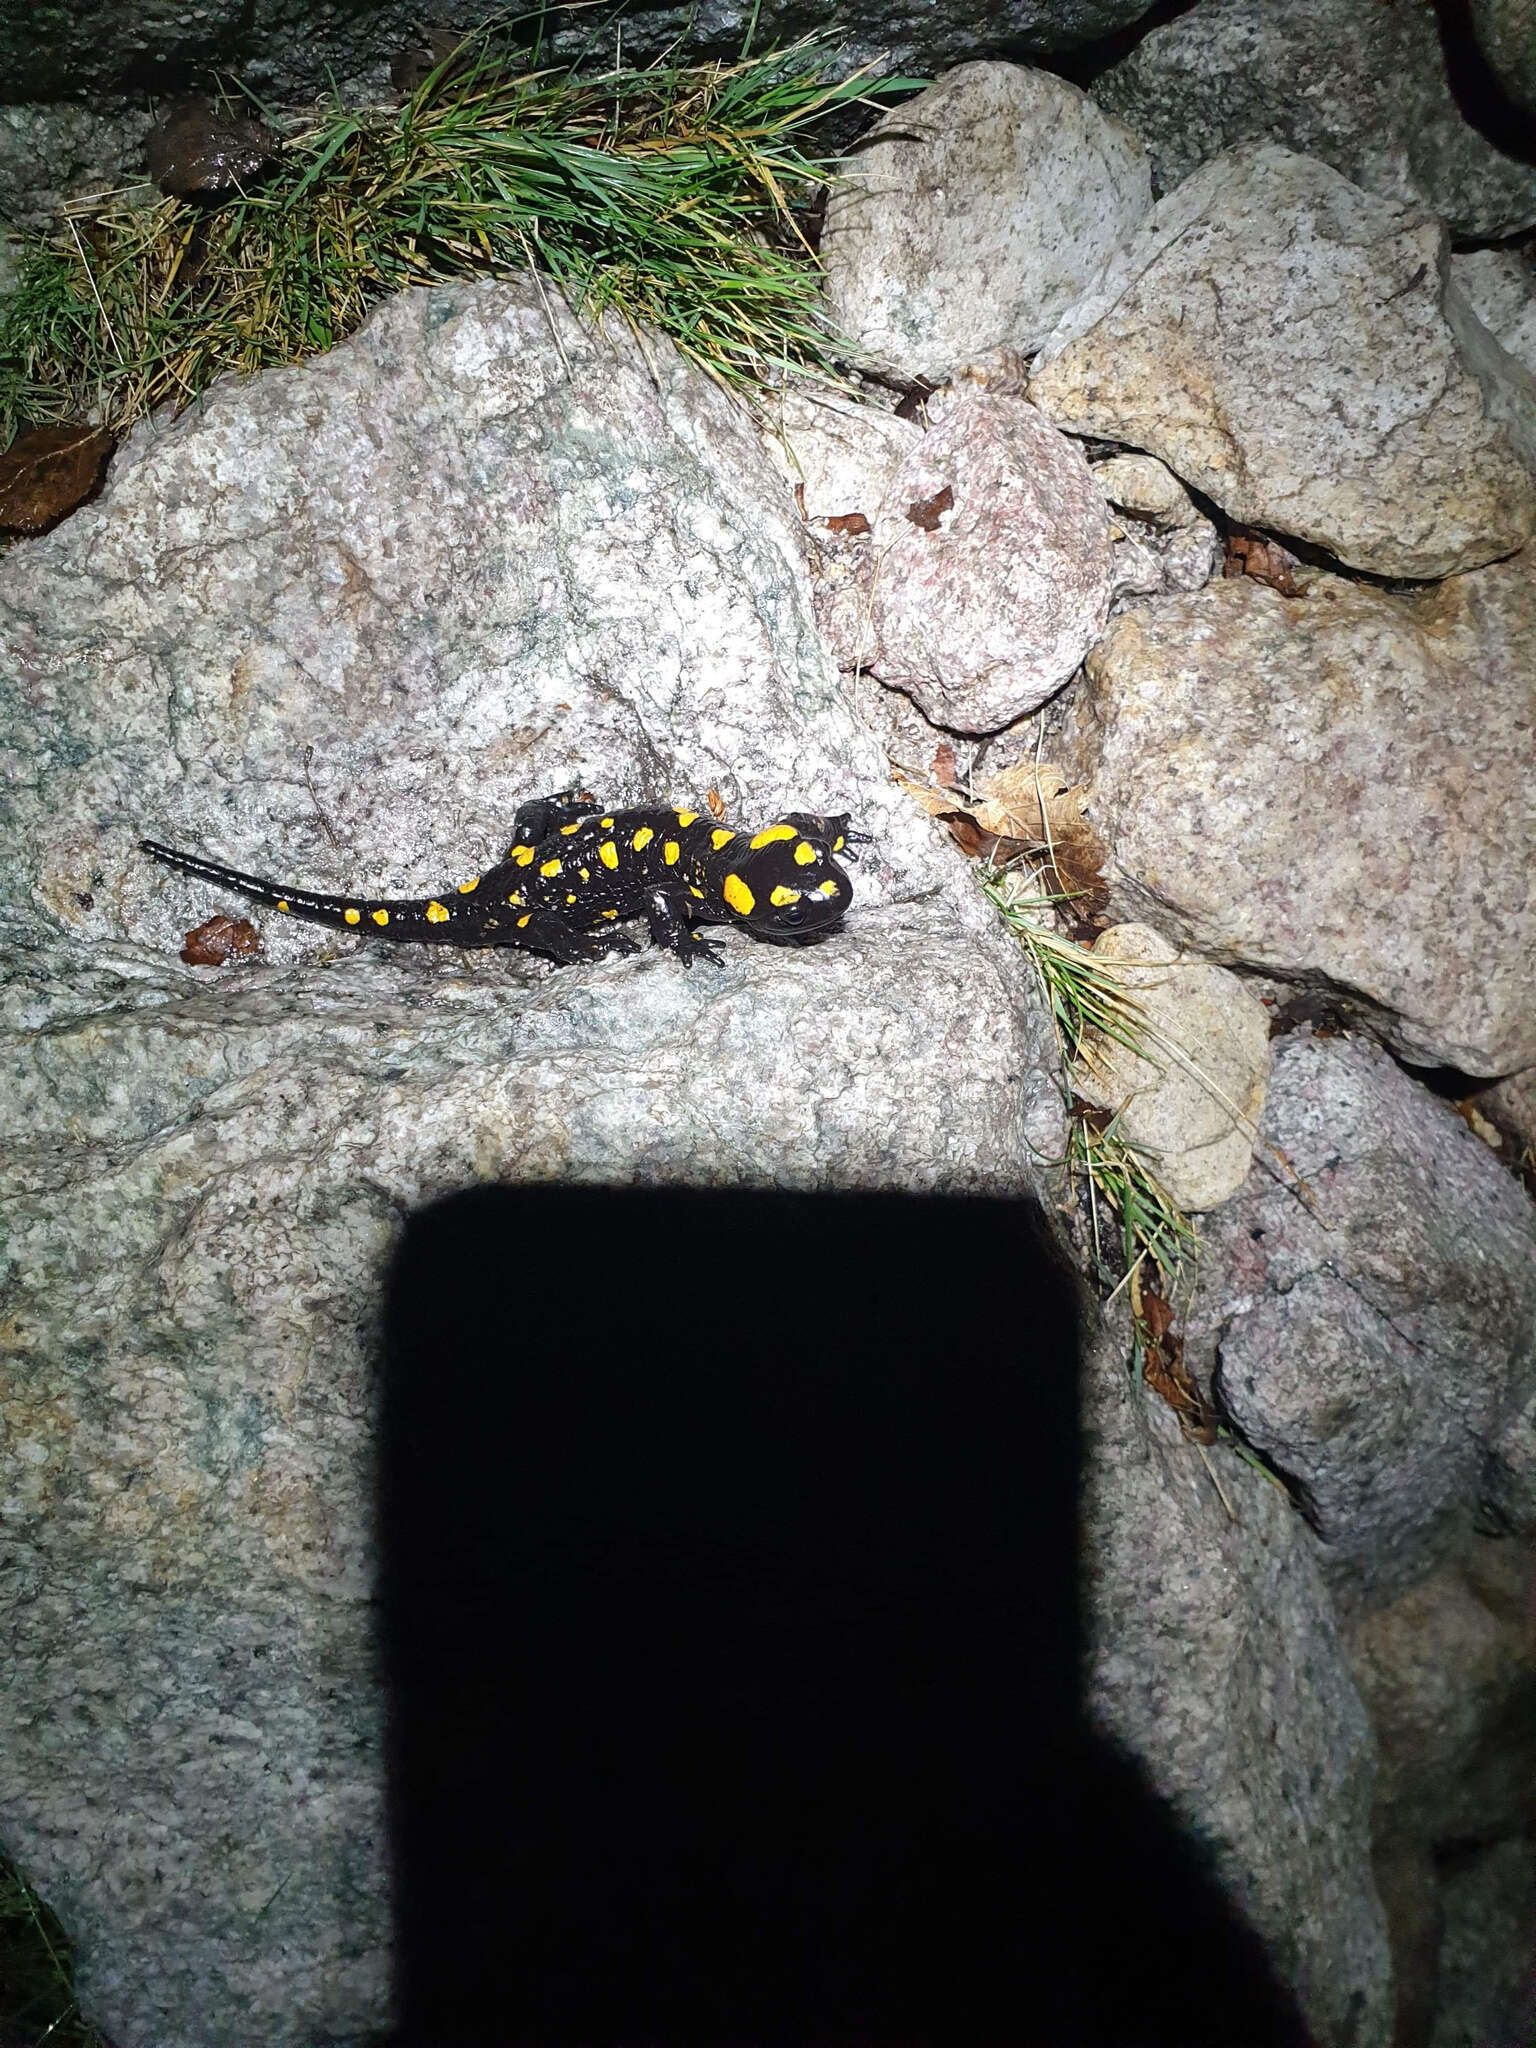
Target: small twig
<point>90,278</point>
<point>309,754</point>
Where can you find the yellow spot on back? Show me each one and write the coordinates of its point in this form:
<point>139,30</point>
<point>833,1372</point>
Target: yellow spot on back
<point>739,896</point>
<point>437,913</point>
<point>606,823</point>
<point>695,892</point>
<point>805,853</point>
<point>608,854</point>
<point>610,913</point>
<point>352,916</point>
<point>567,830</point>
<point>685,817</point>
<point>517,899</point>
<point>768,835</point>
<point>521,854</point>
<point>719,839</point>
<point>670,852</point>
<point>281,904</point>
<point>585,874</point>
<point>466,887</point>
<point>550,867</point>
<point>828,889</point>
<point>781,895</point>
<point>642,839</point>
<point>381,917</point>
<point>523,920</point>
<point>571,898</point>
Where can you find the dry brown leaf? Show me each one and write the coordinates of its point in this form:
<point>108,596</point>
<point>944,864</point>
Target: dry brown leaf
<point>48,471</point>
<point>847,522</point>
<point>1031,810</point>
<point>945,769</point>
<point>1259,555</point>
<point>1165,1372</point>
<point>716,804</point>
<point>926,512</point>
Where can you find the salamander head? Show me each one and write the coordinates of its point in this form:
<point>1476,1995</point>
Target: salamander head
<point>783,882</point>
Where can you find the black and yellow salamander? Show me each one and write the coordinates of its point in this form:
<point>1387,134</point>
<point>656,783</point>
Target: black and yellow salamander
<point>575,872</point>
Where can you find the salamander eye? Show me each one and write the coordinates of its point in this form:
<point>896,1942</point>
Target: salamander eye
<point>792,913</point>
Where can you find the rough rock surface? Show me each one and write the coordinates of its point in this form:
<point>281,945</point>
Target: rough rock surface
<point>290,49</point>
<point>1193,1104</point>
<point>995,173</point>
<point>49,154</point>
<point>461,573</point>
<point>1487,1986</point>
<point>1162,541</point>
<point>1363,88</point>
<point>986,575</point>
<point>1506,35</point>
<point>1372,1331</point>
<point>1275,335</point>
<point>1500,287</point>
<point>1214,1654</point>
<point>1335,788</point>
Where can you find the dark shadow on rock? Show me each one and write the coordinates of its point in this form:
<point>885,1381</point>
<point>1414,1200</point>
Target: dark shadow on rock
<point>731,1636</point>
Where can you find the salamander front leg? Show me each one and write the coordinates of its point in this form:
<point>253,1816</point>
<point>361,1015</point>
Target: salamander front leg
<point>542,815</point>
<point>669,926</point>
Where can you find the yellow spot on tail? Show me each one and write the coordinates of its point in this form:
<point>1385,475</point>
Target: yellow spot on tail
<point>610,913</point>
<point>352,916</point>
<point>642,839</point>
<point>805,853</point>
<point>437,913</point>
<point>521,854</point>
<point>517,899</point>
<point>781,895</point>
<point>608,854</point>
<point>550,867</point>
<point>828,889</point>
<point>670,852</point>
<point>523,920</point>
<point>719,839</point>
<point>465,888</point>
<point>281,904</point>
<point>381,917</point>
<point>567,830</point>
<point>685,817</point>
<point>695,892</point>
<point>571,898</point>
<point>768,835</point>
<point>739,896</point>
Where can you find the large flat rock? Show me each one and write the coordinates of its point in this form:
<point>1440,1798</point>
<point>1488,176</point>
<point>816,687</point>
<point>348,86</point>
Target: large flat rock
<point>1336,789</point>
<point>1276,335</point>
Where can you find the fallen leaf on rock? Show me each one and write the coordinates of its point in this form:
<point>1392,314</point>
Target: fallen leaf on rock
<point>926,512</point>
<point>1031,809</point>
<point>716,804</point>
<point>219,939</point>
<point>1259,555</point>
<point>1163,1366</point>
<point>945,768</point>
<point>48,471</point>
<point>847,522</point>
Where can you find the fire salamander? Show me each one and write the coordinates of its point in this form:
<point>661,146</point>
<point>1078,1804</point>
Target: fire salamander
<point>574,872</point>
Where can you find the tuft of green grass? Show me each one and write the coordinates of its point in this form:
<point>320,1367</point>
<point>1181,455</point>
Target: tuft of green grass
<point>668,196</point>
<point>1157,1243</point>
<point>37,2000</point>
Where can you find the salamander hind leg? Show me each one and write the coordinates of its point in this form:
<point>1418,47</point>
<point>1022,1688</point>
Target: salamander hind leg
<point>670,928</point>
<point>547,932</point>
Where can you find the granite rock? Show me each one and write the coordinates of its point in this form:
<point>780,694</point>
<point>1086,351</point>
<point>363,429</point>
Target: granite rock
<point>971,217</point>
<point>1276,336</point>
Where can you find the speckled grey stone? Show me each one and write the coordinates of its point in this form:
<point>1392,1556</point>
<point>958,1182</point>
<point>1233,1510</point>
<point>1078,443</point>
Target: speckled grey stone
<point>971,217</point>
<point>465,563</point>
<point>1276,336</point>
<point>1372,1332</point>
<point>1335,788</point>
<point>1215,1656</point>
<point>1362,87</point>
